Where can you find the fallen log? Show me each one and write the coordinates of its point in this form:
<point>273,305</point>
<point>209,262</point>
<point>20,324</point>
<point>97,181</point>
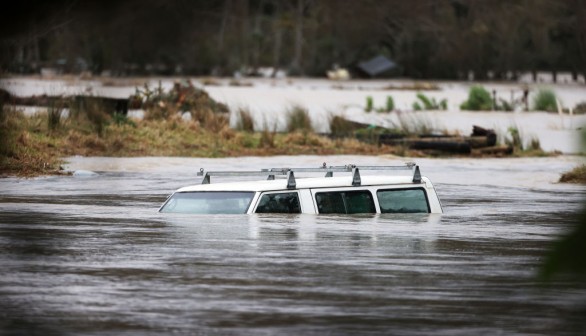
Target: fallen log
<point>478,131</point>
<point>473,142</point>
<point>495,150</point>
<point>444,146</point>
<point>107,104</point>
<point>451,146</point>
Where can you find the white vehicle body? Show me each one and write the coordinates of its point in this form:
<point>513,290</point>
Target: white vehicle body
<point>311,195</point>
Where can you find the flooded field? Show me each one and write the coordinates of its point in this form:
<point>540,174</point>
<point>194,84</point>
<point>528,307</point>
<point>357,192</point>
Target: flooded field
<point>269,101</point>
<point>90,255</point>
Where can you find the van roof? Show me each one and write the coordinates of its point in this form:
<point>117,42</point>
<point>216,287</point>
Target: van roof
<point>303,183</point>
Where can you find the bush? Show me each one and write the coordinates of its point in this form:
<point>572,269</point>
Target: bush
<point>390,104</point>
<point>545,100</point>
<point>90,109</point>
<point>580,108</point>
<point>245,122</point>
<point>340,127</point>
<point>298,119</point>
<point>426,103</point>
<point>576,175</point>
<point>516,142</point>
<point>53,118</point>
<point>505,106</point>
<point>182,97</point>
<point>479,99</point>
<point>122,119</point>
<point>369,104</point>
<point>267,138</point>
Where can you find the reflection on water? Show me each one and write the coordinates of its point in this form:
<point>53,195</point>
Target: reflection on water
<point>92,256</point>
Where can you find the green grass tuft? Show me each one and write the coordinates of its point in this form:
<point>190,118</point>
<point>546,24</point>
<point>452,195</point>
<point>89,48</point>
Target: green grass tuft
<point>479,99</point>
<point>245,122</point>
<point>545,100</point>
<point>298,119</point>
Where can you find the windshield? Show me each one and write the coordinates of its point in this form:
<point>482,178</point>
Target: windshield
<point>209,202</point>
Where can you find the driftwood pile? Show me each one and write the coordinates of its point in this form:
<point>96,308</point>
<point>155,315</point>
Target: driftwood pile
<point>481,141</point>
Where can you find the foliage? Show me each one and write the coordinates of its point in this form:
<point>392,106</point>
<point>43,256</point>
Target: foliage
<point>369,104</point>
<point>479,99</point>
<point>53,116</point>
<point>515,140</point>
<point>413,125</point>
<point>426,103</point>
<point>521,146</point>
<point>505,106</point>
<point>121,119</point>
<point>390,104</point>
<point>90,109</point>
<point>545,100</point>
<point>326,35</point>
<point>183,96</point>
<point>28,149</point>
<point>369,134</point>
<point>298,119</point>
<point>580,108</point>
<point>576,175</point>
<point>20,150</point>
<point>340,127</point>
<point>245,122</point>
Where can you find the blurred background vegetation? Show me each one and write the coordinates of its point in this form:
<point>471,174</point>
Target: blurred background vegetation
<point>444,39</point>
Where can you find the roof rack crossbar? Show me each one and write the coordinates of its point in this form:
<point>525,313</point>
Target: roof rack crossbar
<point>207,174</point>
<point>289,172</point>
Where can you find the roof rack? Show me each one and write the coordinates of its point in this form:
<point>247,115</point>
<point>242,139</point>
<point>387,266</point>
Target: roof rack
<point>290,172</point>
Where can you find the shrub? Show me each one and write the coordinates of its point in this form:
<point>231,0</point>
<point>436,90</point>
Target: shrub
<point>515,140</point>
<point>53,117</point>
<point>183,96</point>
<point>534,144</point>
<point>340,127</point>
<point>426,103</point>
<point>580,108</point>
<point>409,124</point>
<point>90,109</point>
<point>390,104</point>
<point>267,138</point>
<point>576,175</point>
<point>545,100</point>
<point>298,119</point>
<point>121,119</point>
<point>505,106</point>
<point>479,99</point>
<point>369,104</point>
<point>245,122</point>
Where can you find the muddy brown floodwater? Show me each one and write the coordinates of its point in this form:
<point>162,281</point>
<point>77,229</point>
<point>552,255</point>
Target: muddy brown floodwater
<point>90,255</point>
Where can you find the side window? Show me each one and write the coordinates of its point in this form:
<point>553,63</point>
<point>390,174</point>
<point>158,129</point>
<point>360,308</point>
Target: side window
<point>345,202</point>
<point>279,203</point>
<point>403,201</point>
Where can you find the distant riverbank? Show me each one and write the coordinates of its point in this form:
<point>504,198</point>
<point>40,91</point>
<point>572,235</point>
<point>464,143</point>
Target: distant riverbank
<point>174,125</point>
<point>268,101</point>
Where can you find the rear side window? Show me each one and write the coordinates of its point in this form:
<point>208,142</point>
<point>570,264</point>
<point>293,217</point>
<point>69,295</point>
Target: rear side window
<point>279,203</point>
<point>403,201</point>
<point>345,202</point>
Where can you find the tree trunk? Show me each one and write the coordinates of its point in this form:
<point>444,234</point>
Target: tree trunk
<point>278,39</point>
<point>296,64</point>
<point>221,35</point>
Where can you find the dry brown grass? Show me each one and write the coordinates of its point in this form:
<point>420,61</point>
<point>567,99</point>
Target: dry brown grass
<point>576,175</point>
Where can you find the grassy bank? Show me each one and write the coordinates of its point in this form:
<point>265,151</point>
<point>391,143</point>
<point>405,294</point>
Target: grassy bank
<point>184,121</point>
<point>32,146</point>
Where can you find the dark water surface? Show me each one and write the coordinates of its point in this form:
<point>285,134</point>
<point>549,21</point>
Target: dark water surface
<point>91,256</point>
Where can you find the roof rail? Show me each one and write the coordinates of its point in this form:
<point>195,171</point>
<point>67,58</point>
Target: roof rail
<point>290,172</point>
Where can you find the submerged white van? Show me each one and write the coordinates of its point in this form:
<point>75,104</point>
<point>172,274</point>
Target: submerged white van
<point>284,192</point>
